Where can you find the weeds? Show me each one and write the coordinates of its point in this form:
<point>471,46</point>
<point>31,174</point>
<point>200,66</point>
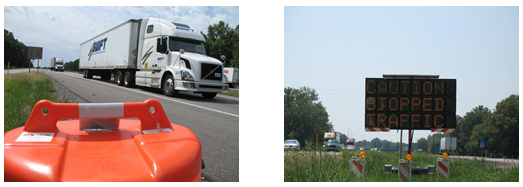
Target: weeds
<point>309,165</point>
<point>21,94</point>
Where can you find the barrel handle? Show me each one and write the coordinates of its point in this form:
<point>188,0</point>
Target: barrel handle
<point>46,114</point>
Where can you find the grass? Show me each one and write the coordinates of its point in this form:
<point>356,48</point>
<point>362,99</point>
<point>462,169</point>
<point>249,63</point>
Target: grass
<point>21,92</point>
<point>231,93</point>
<point>301,167</point>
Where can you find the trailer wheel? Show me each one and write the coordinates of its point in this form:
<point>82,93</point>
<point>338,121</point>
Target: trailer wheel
<point>168,85</point>
<point>209,95</point>
<point>119,78</point>
<point>88,74</point>
<point>128,79</point>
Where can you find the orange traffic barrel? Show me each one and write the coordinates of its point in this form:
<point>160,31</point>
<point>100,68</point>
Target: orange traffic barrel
<point>98,145</point>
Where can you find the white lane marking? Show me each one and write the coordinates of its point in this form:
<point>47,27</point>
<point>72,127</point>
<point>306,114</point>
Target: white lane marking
<point>156,96</point>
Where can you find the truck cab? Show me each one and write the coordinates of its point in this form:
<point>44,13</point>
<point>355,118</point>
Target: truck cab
<point>173,59</point>
<point>57,64</point>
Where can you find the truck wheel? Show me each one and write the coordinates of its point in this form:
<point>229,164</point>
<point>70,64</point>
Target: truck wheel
<point>88,74</point>
<point>208,95</point>
<point>119,78</point>
<point>168,85</point>
<point>128,79</point>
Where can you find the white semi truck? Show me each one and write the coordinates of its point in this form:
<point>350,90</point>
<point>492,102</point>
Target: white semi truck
<point>448,144</point>
<point>57,64</point>
<point>155,53</point>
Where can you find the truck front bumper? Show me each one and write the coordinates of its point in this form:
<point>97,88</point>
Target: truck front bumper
<point>193,86</point>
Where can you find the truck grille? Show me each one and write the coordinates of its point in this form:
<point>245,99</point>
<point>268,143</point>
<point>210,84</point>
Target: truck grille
<point>209,74</point>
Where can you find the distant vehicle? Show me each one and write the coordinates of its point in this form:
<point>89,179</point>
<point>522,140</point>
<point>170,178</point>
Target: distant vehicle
<point>420,150</point>
<point>332,145</point>
<point>231,75</point>
<point>342,146</point>
<point>57,64</point>
<point>448,144</point>
<point>292,144</point>
<point>350,143</point>
<point>330,136</point>
<point>361,148</point>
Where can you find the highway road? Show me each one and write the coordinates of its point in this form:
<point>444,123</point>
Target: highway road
<point>215,122</point>
<point>497,162</point>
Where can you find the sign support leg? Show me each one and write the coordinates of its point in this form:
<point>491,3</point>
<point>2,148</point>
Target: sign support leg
<point>401,144</point>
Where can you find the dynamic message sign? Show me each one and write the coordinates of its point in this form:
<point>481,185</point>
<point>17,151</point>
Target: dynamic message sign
<point>410,103</point>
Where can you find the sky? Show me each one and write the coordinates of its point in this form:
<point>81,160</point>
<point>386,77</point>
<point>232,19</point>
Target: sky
<point>60,30</point>
<point>333,50</point>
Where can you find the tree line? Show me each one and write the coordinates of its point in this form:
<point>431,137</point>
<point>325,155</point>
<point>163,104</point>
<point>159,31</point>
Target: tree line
<point>223,40</point>
<point>15,52</point>
<point>304,116</point>
<point>499,129</point>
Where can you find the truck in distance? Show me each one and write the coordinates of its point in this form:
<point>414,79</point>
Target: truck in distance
<point>350,143</point>
<point>154,53</point>
<point>330,136</point>
<point>57,64</point>
<point>448,144</point>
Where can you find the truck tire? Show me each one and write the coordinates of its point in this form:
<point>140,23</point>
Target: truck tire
<point>119,78</point>
<point>88,74</point>
<point>168,85</point>
<point>128,79</point>
<point>209,95</point>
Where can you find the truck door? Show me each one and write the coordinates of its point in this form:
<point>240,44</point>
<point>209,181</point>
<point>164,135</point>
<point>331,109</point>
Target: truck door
<point>155,54</point>
<point>162,50</point>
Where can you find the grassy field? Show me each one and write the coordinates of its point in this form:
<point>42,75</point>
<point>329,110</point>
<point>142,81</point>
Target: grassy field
<point>300,167</point>
<point>21,92</point>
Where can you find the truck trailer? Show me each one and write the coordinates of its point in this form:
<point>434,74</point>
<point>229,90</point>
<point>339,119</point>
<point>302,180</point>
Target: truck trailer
<point>156,53</point>
<point>231,73</point>
<point>448,144</point>
<point>57,64</point>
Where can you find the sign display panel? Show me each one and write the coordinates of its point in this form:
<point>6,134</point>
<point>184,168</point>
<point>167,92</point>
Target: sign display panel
<point>34,52</point>
<point>410,103</point>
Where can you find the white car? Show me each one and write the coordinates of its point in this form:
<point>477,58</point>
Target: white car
<point>292,144</point>
<point>351,147</point>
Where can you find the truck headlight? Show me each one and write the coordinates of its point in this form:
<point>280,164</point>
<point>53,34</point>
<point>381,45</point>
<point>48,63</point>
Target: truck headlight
<point>187,76</point>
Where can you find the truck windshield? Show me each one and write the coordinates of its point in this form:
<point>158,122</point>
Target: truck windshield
<point>59,63</point>
<point>189,45</point>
